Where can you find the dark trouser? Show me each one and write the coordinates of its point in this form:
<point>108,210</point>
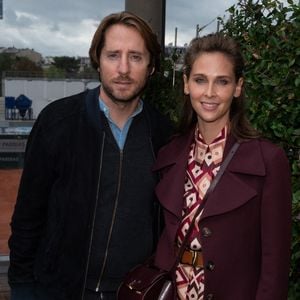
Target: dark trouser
<point>33,291</point>
<point>91,295</point>
<point>38,292</point>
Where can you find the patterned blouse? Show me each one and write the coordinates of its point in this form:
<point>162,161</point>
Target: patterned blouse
<point>203,164</point>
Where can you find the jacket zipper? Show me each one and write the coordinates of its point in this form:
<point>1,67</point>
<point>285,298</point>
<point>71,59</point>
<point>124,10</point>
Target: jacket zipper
<point>94,216</point>
<point>152,149</point>
<point>112,222</point>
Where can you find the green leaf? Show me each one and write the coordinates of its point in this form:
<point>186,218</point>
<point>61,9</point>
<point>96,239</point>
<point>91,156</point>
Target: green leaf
<point>291,62</point>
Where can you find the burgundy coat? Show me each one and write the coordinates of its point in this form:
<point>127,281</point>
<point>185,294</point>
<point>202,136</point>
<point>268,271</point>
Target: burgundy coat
<point>246,223</point>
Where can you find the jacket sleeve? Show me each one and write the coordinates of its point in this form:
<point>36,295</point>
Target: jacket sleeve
<point>275,228</point>
<point>23,291</point>
<point>29,217</point>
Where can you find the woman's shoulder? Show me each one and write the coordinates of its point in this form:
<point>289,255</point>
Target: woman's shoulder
<point>175,149</point>
<point>177,143</point>
<point>268,149</point>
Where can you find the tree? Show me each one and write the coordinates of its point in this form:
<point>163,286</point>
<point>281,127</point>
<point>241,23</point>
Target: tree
<point>54,72</point>
<point>6,62</point>
<point>24,64</point>
<point>162,94</point>
<point>88,72</point>
<point>9,62</point>
<point>66,63</point>
<point>268,33</point>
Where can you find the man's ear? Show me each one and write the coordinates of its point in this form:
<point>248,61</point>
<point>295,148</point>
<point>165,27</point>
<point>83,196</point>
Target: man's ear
<point>151,71</point>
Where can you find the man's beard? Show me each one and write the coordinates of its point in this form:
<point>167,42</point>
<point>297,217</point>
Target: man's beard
<point>135,95</point>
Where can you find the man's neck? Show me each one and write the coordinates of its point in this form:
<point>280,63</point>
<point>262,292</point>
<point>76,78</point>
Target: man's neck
<point>119,111</point>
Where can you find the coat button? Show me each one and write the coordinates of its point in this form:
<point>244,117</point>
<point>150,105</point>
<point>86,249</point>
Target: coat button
<point>210,296</point>
<point>210,266</point>
<point>206,232</point>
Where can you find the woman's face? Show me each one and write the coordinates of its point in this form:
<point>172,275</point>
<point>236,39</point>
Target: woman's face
<point>212,86</point>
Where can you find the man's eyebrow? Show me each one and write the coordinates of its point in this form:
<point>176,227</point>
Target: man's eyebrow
<point>136,52</point>
<point>130,51</point>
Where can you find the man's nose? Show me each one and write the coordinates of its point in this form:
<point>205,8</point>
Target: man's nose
<point>124,65</point>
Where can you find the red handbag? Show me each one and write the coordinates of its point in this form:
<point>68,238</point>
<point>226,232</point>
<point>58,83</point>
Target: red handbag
<point>147,282</point>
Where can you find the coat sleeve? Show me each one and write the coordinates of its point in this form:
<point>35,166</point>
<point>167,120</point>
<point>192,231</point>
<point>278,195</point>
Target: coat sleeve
<point>275,228</point>
<point>29,216</point>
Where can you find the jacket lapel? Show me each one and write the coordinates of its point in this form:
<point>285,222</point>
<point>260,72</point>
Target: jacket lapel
<point>173,158</point>
<point>232,191</point>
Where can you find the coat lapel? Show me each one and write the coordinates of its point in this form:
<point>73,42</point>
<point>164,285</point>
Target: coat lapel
<point>232,191</point>
<point>171,163</point>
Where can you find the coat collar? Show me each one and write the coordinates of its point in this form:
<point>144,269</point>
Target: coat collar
<point>172,160</point>
<point>248,159</point>
<point>176,152</point>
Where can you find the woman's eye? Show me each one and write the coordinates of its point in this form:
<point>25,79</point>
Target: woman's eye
<point>199,80</point>
<point>223,81</point>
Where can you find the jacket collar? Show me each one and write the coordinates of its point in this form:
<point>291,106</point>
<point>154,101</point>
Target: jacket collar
<point>248,159</point>
<point>93,109</point>
<point>177,151</point>
<point>173,157</point>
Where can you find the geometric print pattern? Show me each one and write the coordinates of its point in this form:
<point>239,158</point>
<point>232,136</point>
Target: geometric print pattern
<point>203,164</point>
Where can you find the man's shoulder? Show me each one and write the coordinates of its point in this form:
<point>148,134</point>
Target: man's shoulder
<point>59,114</point>
<point>151,108</point>
<point>161,126</point>
<point>63,106</point>
<point>156,117</point>
<point>66,108</point>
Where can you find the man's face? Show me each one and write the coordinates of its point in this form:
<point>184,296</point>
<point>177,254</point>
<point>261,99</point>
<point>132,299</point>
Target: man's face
<point>124,65</point>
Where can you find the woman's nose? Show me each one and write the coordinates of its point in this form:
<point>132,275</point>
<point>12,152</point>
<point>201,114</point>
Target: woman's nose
<point>210,90</point>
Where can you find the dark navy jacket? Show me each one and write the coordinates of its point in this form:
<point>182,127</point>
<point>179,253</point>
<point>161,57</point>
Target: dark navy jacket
<point>53,221</point>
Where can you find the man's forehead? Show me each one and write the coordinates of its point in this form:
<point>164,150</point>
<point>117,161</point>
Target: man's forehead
<point>122,36</point>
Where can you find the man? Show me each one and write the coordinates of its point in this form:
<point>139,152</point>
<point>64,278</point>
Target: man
<point>85,209</point>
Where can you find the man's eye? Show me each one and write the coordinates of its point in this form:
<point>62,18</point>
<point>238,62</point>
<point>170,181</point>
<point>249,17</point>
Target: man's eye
<point>135,57</point>
<point>112,56</point>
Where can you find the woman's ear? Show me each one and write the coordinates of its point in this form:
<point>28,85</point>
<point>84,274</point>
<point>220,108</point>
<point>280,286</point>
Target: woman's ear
<point>186,89</point>
<point>238,88</point>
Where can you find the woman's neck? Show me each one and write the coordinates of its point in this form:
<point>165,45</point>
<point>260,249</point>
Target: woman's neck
<point>210,131</point>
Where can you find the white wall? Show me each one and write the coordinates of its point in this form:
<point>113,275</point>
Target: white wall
<point>42,91</point>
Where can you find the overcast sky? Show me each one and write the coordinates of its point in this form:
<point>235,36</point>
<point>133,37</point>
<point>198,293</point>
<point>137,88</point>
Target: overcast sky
<point>65,27</point>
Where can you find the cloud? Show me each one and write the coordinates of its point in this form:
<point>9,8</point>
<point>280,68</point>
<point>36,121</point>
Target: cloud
<point>55,27</point>
<point>185,15</point>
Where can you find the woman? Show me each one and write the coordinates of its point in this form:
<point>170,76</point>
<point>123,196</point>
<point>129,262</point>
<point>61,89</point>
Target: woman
<point>239,247</point>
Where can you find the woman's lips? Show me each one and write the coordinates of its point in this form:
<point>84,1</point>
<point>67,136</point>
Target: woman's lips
<point>209,105</point>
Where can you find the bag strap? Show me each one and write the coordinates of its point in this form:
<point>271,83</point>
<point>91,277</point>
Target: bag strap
<point>212,186</point>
